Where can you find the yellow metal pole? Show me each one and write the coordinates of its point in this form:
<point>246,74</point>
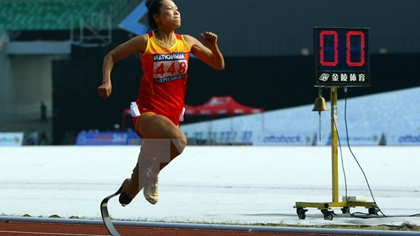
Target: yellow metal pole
<point>334,140</point>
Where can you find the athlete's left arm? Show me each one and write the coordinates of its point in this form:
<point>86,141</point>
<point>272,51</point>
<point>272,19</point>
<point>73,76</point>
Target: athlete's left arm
<point>210,54</point>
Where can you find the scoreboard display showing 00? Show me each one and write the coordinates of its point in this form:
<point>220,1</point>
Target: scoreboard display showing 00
<point>341,57</point>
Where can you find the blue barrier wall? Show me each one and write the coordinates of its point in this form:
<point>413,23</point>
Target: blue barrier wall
<point>108,138</point>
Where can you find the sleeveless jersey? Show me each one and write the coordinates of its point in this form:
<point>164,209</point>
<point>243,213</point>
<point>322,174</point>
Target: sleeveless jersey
<point>164,81</point>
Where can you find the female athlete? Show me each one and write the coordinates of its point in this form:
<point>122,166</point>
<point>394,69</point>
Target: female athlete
<point>164,57</point>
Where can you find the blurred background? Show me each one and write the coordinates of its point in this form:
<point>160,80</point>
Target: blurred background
<point>51,54</point>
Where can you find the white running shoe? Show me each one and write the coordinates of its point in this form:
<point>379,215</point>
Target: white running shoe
<point>150,189</point>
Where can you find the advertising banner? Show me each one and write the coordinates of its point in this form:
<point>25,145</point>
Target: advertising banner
<point>263,138</point>
<point>403,138</point>
<point>108,138</point>
<point>11,139</point>
<point>356,138</point>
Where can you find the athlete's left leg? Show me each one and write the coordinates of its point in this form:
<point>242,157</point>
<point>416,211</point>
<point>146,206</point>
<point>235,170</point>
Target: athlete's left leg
<point>163,141</point>
<point>165,136</point>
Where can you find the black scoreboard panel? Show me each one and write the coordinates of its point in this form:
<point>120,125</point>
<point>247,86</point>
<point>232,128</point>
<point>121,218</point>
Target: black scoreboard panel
<point>341,56</point>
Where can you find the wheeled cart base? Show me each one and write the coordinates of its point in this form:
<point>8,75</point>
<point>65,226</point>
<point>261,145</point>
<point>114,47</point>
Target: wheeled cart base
<point>325,208</point>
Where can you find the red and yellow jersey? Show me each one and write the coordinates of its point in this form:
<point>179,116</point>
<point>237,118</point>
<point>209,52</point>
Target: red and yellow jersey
<point>164,81</point>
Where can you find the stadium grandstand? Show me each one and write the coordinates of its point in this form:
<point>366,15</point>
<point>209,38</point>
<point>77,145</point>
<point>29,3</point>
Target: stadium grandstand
<point>58,14</point>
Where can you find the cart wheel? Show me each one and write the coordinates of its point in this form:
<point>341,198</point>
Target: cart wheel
<point>328,215</point>
<point>373,211</point>
<point>301,213</point>
<point>345,210</point>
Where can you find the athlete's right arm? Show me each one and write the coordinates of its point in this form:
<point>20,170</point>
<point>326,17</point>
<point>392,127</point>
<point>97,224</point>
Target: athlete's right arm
<point>134,45</point>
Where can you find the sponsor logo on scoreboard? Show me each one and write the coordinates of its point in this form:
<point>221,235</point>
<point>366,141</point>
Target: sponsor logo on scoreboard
<point>347,78</point>
<point>324,77</point>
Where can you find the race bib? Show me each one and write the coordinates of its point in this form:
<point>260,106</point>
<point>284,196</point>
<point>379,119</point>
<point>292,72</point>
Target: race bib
<point>169,67</point>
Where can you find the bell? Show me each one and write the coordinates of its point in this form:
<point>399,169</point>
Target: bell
<point>320,104</point>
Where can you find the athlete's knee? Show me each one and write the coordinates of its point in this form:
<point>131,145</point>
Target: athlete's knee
<point>180,142</point>
<point>150,149</point>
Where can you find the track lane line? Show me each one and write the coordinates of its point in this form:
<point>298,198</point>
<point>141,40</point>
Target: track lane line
<point>44,233</point>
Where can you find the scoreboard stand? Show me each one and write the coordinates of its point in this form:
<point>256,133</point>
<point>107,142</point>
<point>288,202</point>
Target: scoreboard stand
<point>341,57</point>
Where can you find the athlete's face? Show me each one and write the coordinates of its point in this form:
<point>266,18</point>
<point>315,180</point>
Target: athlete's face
<point>169,15</point>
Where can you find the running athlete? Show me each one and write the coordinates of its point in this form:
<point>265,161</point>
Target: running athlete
<point>164,57</point>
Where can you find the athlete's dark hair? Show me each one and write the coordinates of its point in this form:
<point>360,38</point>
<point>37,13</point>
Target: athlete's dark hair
<point>153,7</point>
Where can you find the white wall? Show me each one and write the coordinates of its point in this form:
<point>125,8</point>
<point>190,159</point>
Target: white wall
<point>5,79</point>
<point>394,114</point>
<point>25,82</point>
<point>32,84</point>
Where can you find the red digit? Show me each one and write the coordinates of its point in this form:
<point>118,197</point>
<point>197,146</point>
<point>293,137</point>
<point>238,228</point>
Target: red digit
<point>322,50</point>
<point>182,67</point>
<point>172,68</point>
<point>362,48</point>
<point>160,70</point>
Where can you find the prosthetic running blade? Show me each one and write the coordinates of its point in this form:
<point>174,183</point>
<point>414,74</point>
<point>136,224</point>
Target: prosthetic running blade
<point>105,215</point>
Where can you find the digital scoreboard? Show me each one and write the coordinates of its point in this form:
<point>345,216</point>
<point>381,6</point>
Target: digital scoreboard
<point>341,57</point>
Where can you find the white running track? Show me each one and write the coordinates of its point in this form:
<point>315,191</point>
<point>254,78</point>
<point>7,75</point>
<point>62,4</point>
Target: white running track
<point>209,184</point>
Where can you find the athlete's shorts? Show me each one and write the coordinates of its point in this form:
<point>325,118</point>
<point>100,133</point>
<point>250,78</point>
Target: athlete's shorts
<point>174,119</point>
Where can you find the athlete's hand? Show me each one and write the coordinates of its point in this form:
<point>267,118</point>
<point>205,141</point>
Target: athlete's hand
<point>209,38</point>
<point>105,90</point>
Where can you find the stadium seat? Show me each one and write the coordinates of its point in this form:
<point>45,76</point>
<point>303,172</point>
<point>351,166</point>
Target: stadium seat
<point>56,14</point>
